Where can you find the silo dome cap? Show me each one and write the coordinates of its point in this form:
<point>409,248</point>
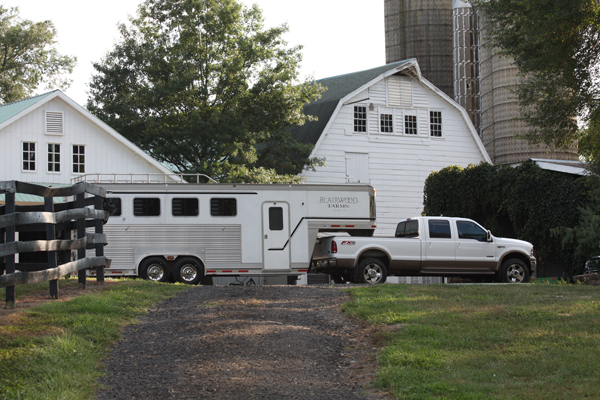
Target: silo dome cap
<point>460,4</point>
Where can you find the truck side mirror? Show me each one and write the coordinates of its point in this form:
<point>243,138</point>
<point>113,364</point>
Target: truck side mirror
<point>489,236</point>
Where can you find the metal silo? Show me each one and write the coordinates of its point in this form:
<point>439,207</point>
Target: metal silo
<point>464,54</point>
<point>421,29</point>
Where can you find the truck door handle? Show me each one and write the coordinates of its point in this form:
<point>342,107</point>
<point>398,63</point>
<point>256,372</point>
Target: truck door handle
<point>266,236</point>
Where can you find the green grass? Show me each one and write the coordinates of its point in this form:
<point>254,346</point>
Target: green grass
<point>485,341</point>
<point>54,351</point>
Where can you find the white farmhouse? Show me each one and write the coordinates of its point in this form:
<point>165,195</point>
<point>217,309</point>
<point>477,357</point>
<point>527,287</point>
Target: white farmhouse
<point>49,139</point>
<point>389,127</point>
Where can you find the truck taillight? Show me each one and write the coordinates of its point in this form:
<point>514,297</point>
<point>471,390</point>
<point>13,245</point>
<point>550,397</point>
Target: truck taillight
<point>333,246</point>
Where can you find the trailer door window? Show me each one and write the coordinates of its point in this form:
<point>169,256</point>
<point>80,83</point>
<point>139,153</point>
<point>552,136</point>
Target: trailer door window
<point>223,207</point>
<point>184,207</point>
<point>275,218</point>
<point>146,207</point>
<point>113,206</point>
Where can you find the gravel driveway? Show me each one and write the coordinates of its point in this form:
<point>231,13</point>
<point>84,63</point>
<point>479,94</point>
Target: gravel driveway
<point>244,342</point>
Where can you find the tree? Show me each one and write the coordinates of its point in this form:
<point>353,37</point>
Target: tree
<point>202,86</point>
<point>28,57</point>
<point>556,46</point>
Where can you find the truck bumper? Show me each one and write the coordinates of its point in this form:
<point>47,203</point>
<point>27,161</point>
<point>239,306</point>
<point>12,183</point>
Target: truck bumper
<point>328,264</point>
<point>533,262</point>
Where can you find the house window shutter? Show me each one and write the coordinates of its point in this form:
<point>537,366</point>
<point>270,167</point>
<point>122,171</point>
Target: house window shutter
<point>54,122</point>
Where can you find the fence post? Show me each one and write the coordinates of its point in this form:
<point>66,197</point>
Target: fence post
<point>51,235</point>
<point>9,208</point>
<point>79,203</point>
<point>99,246</point>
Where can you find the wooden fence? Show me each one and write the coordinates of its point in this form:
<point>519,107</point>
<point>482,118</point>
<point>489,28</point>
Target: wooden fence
<point>49,234</point>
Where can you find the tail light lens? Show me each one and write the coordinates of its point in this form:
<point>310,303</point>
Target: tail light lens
<point>333,246</point>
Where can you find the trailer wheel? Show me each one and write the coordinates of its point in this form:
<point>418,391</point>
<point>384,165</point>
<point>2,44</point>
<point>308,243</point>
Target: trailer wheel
<point>155,269</point>
<point>371,271</point>
<point>515,271</point>
<point>188,270</point>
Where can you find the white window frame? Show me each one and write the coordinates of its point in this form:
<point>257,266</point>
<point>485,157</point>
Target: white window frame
<point>366,119</point>
<point>390,112</point>
<point>416,122</point>
<point>77,163</point>
<point>54,122</point>
<point>441,124</point>
<point>52,158</point>
<point>29,152</point>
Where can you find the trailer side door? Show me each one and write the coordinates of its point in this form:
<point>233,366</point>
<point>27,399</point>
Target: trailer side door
<point>276,235</point>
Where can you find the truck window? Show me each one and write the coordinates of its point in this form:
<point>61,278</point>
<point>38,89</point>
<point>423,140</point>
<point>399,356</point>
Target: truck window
<point>408,229</point>
<point>439,229</point>
<point>469,230</point>
<point>184,207</point>
<point>146,207</point>
<point>275,218</point>
<point>113,206</point>
<point>223,207</point>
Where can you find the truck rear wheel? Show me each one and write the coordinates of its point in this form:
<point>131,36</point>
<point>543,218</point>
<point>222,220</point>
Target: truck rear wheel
<point>155,269</point>
<point>371,271</point>
<point>188,270</point>
<point>515,271</point>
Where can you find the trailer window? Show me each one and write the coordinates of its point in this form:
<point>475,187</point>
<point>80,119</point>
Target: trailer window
<point>184,207</point>
<point>223,207</point>
<point>275,218</point>
<point>439,229</point>
<point>112,206</point>
<point>146,207</point>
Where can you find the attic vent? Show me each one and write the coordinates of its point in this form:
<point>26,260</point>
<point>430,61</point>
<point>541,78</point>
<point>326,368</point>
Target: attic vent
<point>400,92</point>
<point>54,123</point>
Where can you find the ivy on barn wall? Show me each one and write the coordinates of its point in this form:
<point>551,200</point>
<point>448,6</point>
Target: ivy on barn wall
<point>524,202</point>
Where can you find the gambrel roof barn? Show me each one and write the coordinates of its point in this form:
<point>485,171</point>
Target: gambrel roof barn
<point>50,139</point>
<point>390,127</point>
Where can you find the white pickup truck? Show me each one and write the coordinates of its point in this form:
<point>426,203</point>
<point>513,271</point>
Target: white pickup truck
<point>434,246</point>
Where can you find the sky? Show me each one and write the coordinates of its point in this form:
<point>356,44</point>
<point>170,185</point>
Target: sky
<point>338,36</point>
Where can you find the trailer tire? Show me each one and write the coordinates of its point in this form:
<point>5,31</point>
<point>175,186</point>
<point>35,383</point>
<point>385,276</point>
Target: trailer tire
<point>188,270</point>
<point>154,269</point>
<point>371,271</point>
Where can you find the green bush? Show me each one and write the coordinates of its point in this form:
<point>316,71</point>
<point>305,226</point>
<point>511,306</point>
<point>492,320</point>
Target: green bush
<point>524,202</point>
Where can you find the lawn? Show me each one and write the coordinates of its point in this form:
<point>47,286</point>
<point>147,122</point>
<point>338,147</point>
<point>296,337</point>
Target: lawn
<point>53,351</point>
<point>534,341</point>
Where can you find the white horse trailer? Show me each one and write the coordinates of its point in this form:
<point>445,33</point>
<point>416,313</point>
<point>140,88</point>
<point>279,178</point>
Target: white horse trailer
<point>183,231</point>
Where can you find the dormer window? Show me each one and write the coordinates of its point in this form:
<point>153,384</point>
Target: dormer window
<point>54,122</point>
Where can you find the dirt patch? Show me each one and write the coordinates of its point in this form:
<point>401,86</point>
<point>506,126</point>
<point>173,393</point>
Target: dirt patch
<point>252,342</point>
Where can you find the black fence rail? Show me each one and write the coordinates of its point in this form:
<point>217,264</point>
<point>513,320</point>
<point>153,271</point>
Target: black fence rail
<point>49,235</point>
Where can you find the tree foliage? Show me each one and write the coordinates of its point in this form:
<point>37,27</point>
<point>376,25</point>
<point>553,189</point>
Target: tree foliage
<point>556,46</point>
<point>28,57</point>
<point>202,86</point>
<point>524,202</point>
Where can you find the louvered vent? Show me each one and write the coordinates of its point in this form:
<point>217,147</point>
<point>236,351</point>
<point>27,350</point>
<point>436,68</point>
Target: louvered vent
<point>54,123</point>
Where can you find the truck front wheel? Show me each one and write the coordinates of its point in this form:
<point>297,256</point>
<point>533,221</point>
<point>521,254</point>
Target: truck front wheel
<point>371,271</point>
<point>514,271</point>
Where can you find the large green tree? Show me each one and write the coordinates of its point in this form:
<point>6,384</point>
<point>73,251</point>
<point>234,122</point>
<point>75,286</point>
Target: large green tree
<point>556,46</point>
<point>29,57</point>
<point>204,87</point>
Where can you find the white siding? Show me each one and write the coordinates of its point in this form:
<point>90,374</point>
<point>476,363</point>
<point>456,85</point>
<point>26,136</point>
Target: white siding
<point>103,153</point>
<point>398,164</point>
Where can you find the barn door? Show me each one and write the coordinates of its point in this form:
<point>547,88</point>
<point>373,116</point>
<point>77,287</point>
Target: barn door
<point>276,234</point>
<point>357,167</point>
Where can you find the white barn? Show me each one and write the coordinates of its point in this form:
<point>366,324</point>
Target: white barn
<point>49,139</point>
<point>389,127</point>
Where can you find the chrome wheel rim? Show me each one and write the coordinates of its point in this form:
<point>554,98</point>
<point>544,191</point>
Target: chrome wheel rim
<point>155,272</point>
<point>189,272</point>
<point>372,274</point>
<point>515,273</point>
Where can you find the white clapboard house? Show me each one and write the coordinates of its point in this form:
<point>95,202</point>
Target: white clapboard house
<point>390,127</point>
<point>50,139</point>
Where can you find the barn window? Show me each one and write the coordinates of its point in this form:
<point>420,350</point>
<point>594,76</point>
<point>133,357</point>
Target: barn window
<point>386,123</point>
<point>410,124</point>
<point>53,157</point>
<point>182,207</point>
<point>360,119</point>
<point>435,123</point>
<point>223,207</point>
<point>28,156</point>
<point>54,122</point>
<point>146,207</point>
<point>79,159</point>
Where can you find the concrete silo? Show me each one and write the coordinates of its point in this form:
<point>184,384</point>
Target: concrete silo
<point>421,29</point>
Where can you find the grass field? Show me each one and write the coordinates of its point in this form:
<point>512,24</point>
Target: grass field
<point>53,351</point>
<point>485,341</point>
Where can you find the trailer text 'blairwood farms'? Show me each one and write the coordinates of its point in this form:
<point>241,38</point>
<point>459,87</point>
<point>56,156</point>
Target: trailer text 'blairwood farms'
<point>339,202</point>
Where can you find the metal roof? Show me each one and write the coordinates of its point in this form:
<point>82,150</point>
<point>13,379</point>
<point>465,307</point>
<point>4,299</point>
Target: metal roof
<point>10,110</point>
